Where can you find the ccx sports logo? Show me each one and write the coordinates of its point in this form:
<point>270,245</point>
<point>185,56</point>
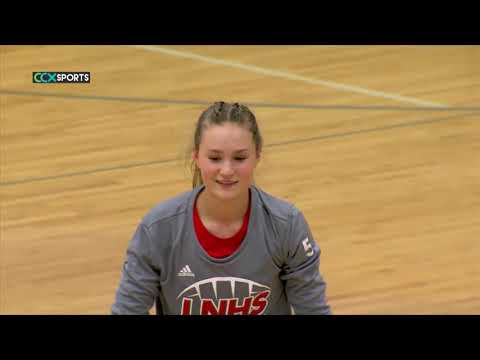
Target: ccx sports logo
<point>55,77</point>
<point>225,296</point>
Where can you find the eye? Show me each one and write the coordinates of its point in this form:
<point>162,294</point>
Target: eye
<point>240,158</point>
<point>214,159</point>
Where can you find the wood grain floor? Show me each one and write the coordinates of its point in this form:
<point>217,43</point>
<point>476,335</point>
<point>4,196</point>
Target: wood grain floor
<point>390,187</point>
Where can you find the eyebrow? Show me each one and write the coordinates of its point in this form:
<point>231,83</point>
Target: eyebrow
<point>221,152</point>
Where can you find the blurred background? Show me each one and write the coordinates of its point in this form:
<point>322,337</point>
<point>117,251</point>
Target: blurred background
<point>379,146</point>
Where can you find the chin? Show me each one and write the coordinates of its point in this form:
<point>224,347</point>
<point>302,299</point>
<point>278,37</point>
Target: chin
<point>226,194</point>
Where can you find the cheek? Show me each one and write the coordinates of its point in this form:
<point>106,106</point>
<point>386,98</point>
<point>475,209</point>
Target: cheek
<point>207,168</point>
<point>246,170</point>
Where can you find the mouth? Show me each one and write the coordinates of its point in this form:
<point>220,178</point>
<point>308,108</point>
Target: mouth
<point>226,183</point>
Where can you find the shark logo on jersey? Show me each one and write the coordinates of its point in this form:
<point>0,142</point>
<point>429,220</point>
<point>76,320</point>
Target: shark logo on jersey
<point>225,296</point>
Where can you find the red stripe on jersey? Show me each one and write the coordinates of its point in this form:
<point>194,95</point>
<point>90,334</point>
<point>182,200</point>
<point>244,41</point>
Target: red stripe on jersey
<point>218,247</point>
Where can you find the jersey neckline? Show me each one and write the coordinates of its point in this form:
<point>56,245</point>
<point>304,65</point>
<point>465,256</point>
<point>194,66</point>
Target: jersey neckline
<point>238,251</point>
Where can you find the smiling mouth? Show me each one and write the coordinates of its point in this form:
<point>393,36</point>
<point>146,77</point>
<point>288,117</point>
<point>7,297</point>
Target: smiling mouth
<point>226,183</point>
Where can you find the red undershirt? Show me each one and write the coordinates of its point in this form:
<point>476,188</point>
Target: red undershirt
<point>219,247</point>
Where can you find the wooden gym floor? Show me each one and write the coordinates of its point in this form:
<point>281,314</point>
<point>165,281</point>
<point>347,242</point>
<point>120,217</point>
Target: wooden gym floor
<point>378,145</point>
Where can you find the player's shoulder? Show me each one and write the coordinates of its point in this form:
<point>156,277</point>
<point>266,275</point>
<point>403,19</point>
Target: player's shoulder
<point>167,209</point>
<point>276,207</point>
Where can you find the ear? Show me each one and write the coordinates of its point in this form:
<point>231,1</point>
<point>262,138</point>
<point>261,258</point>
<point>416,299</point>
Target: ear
<point>195,156</point>
<point>258,158</point>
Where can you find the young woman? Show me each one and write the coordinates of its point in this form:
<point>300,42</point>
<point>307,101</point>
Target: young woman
<point>226,247</point>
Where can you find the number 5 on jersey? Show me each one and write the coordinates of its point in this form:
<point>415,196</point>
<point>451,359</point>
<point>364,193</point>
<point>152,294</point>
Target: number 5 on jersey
<point>307,247</point>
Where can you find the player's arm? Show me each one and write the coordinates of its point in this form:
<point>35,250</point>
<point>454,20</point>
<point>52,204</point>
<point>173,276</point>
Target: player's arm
<point>139,284</point>
<point>304,284</point>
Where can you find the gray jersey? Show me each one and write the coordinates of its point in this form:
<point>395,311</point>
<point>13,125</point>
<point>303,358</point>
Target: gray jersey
<point>274,271</point>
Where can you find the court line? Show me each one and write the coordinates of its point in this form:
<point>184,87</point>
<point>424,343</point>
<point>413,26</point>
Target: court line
<point>297,141</point>
<point>287,75</point>
<point>3,268</point>
<point>251,104</point>
<point>87,172</point>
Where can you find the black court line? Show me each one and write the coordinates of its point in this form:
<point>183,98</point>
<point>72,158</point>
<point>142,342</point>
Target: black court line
<point>382,128</point>
<point>297,141</point>
<point>252,104</point>
<point>86,172</point>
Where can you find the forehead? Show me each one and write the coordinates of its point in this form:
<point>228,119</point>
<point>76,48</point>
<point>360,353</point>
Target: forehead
<point>227,136</point>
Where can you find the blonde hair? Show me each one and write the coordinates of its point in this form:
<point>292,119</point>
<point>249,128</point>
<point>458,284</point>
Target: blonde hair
<point>217,114</point>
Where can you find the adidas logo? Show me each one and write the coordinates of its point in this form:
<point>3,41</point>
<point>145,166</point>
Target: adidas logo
<point>186,271</point>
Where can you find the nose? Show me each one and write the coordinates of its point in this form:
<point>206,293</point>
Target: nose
<point>226,170</point>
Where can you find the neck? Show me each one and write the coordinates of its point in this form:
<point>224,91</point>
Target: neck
<point>218,210</point>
